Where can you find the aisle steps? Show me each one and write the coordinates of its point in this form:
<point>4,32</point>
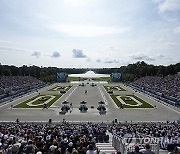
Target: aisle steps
<point>105,147</point>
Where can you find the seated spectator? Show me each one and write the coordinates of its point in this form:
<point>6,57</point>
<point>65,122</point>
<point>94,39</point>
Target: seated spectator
<point>69,148</point>
<point>92,150</point>
<point>136,150</point>
<point>14,85</point>
<point>147,149</point>
<point>74,151</point>
<point>29,148</point>
<point>79,138</point>
<point>168,86</point>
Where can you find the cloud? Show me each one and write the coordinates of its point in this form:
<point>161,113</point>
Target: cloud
<point>9,49</point>
<point>78,30</point>
<point>116,61</point>
<point>88,59</point>
<point>110,61</point>
<point>75,3</point>
<point>55,54</point>
<point>5,48</point>
<point>157,1</point>
<point>78,53</point>
<point>107,61</point>
<point>177,30</point>
<point>160,56</point>
<point>170,44</point>
<point>6,41</point>
<point>168,5</point>
<point>98,61</point>
<point>36,54</point>
<point>141,56</point>
<point>114,49</point>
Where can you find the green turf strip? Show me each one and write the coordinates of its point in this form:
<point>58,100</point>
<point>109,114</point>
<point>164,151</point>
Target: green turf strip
<point>75,79</point>
<point>108,79</point>
<point>40,102</point>
<point>24,104</point>
<point>60,88</point>
<point>144,104</point>
<point>131,102</point>
<point>113,88</point>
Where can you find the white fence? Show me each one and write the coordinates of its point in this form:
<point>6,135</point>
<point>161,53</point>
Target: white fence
<point>119,144</point>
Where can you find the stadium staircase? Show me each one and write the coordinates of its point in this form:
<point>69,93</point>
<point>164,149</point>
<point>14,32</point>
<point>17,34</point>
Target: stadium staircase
<point>109,149</point>
<point>106,147</point>
<point>163,151</point>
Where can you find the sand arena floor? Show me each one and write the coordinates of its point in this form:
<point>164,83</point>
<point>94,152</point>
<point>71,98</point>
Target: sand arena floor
<point>95,94</point>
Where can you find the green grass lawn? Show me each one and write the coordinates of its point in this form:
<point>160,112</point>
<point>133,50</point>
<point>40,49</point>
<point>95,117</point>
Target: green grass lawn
<point>75,79</point>
<point>82,79</point>
<point>113,88</point>
<point>144,104</point>
<point>24,104</point>
<point>131,102</point>
<point>108,79</point>
<point>41,102</point>
<point>107,87</point>
<point>60,88</point>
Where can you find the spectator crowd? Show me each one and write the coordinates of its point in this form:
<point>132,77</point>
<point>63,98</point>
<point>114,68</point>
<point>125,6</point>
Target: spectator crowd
<point>12,85</point>
<point>166,86</point>
<point>66,138</point>
<point>49,138</point>
<point>164,133</point>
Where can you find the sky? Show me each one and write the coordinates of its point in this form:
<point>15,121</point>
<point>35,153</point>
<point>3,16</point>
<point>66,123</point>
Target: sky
<point>89,33</point>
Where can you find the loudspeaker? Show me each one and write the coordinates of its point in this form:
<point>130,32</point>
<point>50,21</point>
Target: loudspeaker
<point>50,120</point>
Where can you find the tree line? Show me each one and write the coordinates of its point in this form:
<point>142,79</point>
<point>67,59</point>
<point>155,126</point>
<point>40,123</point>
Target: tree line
<point>129,73</point>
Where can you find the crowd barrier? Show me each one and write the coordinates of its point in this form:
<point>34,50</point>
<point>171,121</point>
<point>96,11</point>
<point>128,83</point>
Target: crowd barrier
<point>165,99</point>
<point>105,123</point>
<point>154,148</point>
<point>120,145</point>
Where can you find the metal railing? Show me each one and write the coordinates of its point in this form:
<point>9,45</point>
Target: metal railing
<point>173,104</point>
<point>120,145</point>
<point>154,148</point>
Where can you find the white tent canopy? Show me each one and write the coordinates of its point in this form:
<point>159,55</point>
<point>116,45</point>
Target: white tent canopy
<point>89,75</point>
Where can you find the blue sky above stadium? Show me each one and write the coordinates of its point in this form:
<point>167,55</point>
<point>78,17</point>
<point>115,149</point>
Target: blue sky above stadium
<point>89,33</point>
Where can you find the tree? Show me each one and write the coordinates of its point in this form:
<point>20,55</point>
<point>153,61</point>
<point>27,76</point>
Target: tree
<point>1,69</point>
<point>6,72</point>
<point>14,70</point>
<point>129,73</point>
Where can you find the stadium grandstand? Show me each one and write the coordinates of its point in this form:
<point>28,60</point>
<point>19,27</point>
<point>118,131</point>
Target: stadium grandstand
<point>85,137</point>
<point>13,86</point>
<point>89,76</point>
<point>167,88</point>
<point>39,117</point>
